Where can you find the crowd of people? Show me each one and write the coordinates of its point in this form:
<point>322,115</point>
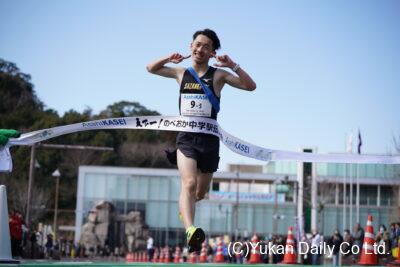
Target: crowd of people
<point>39,244</point>
<point>341,245</point>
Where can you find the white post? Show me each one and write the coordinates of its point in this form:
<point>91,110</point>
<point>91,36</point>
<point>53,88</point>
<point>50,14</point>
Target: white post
<point>300,179</point>
<point>344,200</point>
<point>358,195</point>
<point>337,194</point>
<point>351,196</point>
<point>378,197</point>
<point>314,196</point>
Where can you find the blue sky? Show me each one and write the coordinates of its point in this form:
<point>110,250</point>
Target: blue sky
<point>323,68</point>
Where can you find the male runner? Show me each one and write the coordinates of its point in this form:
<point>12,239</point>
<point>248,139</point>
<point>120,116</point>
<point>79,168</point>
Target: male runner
<point>197,154</point>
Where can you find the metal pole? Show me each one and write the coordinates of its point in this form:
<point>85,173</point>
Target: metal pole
<point>351,196</point>
<point>237,204</point>
<point>56,207</point>
<point>275,216</point>
<point>314,199</point>
<point>344,199</point>
<point>100,148</point>
<point>30,184</point>
<point>358,195</point>
<point>300,181</point>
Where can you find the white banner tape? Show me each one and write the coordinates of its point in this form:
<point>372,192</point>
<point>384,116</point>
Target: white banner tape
<point>188,124</point>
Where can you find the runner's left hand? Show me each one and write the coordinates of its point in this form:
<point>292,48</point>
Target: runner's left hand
<point>224,61</point>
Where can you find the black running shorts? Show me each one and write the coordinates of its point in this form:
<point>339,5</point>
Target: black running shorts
<point>204,148</point>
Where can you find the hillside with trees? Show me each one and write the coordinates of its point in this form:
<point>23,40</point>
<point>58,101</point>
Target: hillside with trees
<point>21,109</point>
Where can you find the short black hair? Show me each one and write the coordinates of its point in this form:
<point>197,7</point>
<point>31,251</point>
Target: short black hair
<point>210,34</point>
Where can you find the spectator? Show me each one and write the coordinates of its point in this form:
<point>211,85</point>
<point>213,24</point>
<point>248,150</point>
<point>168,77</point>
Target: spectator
<point>225,251</point>
<point>150,248</point>
<point>393,235</point>
<point>34,245</point>
<point>336,240</point>
<point>264,251</point>
<point>304,248</point>
<point>316,243</point>
<point>358,238</point>
<point>383,240</point>
<point>68,246</point>
<point>239,256</point>
<point>348,239</point>
<point>15,224</point>
<point>280,242</point>
<point>396,234</point>
<point>49,246</point>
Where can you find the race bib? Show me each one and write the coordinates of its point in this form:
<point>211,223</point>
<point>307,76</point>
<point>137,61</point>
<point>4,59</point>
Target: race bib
<point>195,105</point>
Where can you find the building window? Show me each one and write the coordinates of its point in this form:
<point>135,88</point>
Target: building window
<point>215,186</point>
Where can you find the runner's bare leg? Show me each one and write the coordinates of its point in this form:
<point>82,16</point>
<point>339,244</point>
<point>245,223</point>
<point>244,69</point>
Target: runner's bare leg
<point>203,184</point>
<point>187,198</point>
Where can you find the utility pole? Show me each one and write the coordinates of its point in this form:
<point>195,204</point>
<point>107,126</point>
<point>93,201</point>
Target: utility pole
<point>275,216</point>
<point>56,174</point>
<point>237,203</point>
<point>30,184</point>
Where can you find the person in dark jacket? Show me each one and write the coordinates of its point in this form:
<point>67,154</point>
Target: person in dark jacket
<point>336,240</point>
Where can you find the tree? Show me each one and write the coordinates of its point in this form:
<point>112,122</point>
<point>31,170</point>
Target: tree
<point>22,110</point>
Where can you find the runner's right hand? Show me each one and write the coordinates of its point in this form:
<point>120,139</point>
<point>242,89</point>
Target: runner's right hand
<point>177,58</point>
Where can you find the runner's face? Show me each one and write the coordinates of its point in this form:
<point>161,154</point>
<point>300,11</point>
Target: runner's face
<point>202,49</point>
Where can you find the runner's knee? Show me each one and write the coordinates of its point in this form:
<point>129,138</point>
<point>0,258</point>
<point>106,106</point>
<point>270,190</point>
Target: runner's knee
<point>189,186</point>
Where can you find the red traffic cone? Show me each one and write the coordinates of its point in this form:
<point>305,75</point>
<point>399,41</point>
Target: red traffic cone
<point>193,257</point>
<point>129,257</point>
<point>255,256</point>
<point>166,255</point>
<point>290,254</point>
<point>177,255</point>
<point>156,255</point>
<point>162,256</point>
<point>368,256</point>
<point>135,257</point>
<point>219,257</point>
<point>203,253</point>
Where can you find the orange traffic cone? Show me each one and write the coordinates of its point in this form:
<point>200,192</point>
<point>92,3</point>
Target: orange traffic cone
<point>203,253</point>
<point>255,256</point>
<point>166,255</point>
<point>162,256</point>
<point>219,257</point>
<point>290,254</point>
<point>135,257</point>
<point>177,255</point>
<point>156,255</point>
<point>129,257</point>
<point>368,255</point>
<point>193,257</point>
